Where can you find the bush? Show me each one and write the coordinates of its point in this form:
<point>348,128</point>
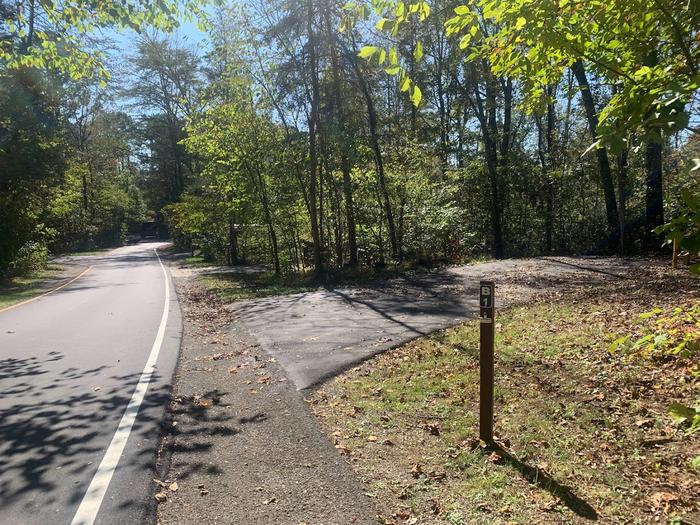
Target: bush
<point>31,258</point>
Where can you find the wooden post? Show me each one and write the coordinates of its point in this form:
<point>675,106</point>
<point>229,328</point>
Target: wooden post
<point>674,263</point>
<point>486,350</point>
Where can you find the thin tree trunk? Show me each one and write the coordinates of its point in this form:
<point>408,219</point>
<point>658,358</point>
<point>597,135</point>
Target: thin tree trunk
<point>374,139</point>
<point>313,153</point>
<point>601,153</point>
<point>234,257</point>
<point>621,191</point>
<point>270,225</point>
<point>545,147</point>
<point>654,194</point>
<point>345,163</point>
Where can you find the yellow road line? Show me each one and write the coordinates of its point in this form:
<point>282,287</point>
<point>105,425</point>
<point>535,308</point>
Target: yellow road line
<point>86,270</point>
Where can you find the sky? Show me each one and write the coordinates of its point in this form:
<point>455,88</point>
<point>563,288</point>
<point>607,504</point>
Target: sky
<point>125,40</point>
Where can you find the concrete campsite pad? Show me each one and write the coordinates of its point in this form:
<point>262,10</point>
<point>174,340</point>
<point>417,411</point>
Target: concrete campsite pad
<point>316,335</point>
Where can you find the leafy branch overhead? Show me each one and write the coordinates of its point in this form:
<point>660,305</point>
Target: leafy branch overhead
<point>536,41</point>
<point>396,13</point>
<point>58,35</point>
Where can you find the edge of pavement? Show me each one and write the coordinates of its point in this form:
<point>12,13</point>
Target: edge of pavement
<point>240,444</point>
<point>70,271</point>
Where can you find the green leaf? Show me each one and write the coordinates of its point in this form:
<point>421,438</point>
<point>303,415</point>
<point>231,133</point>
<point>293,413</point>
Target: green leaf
<point>367,51</point>
<point>520,23</point>
<point>681,413</point>
<point>416,95</point>
<point>418,51</point>
<point>393,56</point>
<point>695,463</point>
<point>617,343</point>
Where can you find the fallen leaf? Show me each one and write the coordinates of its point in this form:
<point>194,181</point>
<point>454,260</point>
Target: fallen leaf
<point>494,457</point>
<point>433,429</point>
<point>437,476</point>
<point>662,500</point>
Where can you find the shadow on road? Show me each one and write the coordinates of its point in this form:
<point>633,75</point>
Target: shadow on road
<point>52,436</point>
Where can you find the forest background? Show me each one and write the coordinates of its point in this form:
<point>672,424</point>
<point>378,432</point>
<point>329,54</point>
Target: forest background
<point>313,136</point>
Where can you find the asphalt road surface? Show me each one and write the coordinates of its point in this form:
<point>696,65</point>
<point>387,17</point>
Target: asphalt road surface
<point>317,335</point>
<point>84,381</point>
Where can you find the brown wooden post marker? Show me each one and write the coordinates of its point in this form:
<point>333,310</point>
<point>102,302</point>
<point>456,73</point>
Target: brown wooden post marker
<point>487,310</point>
<point>674,261</point>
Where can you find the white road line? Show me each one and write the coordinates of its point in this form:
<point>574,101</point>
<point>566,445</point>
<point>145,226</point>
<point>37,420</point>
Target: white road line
<point>89,507</point>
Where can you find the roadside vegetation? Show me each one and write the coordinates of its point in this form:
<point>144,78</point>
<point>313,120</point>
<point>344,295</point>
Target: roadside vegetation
<point>17,289</point>
<point>588,426</point>
<point>312,136</point>
<point>250,282</point>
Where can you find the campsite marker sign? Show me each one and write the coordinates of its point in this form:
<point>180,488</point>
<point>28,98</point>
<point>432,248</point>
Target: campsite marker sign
<point>487,310</point>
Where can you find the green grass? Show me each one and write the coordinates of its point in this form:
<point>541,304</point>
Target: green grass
<point>87,252</point>
<point>237,287</point>
<point>20,289</point>
<point>240,286</point>
<point>568,416</point>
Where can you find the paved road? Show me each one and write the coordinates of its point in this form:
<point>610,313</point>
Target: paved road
<point>70,364</point>
<point>318,334</point>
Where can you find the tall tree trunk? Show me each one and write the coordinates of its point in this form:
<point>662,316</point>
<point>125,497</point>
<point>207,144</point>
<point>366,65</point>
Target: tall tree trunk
<point>601,153</point>
<point>268,220</point>
<point>349,211</point>
<point>378,160</point>
<point>654,194</point>
<point>621,191</point>
<point>545,146</point>
<point>313,153</point>
<point>490,132</point>
<point>345,163</point>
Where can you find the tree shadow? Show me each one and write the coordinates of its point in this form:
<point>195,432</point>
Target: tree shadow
<point>55,424</point>
<point>544,481</point>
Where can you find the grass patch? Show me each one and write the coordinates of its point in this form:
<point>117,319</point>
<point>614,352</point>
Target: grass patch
<point>585,433</point>
<point>20,289</point>
<point>87,252</point>
<point>240,285</point>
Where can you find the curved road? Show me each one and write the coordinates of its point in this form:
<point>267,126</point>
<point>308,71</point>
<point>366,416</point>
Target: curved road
<point>84,381</point>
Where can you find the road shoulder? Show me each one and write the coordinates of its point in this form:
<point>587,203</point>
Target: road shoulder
<point>243,446</point>
<point>57,274</point>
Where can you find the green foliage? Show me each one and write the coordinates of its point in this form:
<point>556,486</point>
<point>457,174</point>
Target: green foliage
<point>684,228</point>
<point>30,258</point>
<point>535,41</point>
<point>198,223</point>
<point>31,159</point>
<point>675,333</point>
<point>56,36</point>
<point>685,415</point>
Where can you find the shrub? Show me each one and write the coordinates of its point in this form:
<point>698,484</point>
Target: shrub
<point>30,258</point>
